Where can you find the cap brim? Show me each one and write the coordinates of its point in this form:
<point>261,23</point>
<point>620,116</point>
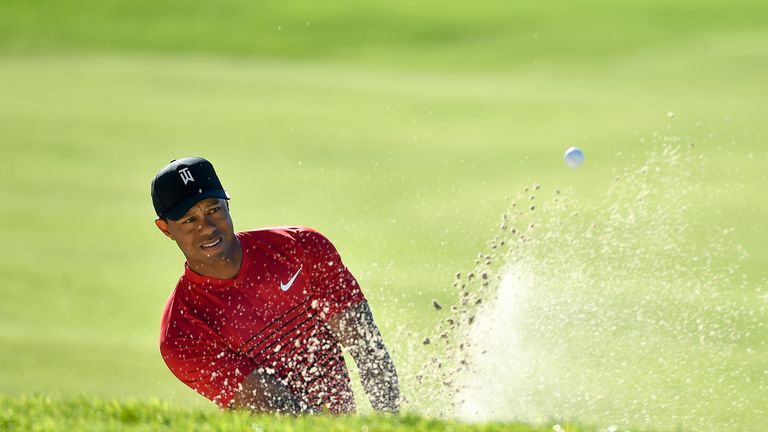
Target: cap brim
<point>183,207</point>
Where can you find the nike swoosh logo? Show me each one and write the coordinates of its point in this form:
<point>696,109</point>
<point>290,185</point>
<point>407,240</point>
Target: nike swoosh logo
<point>286,286</point>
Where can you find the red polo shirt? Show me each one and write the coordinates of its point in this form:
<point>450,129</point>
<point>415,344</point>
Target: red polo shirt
<point>270,317</point>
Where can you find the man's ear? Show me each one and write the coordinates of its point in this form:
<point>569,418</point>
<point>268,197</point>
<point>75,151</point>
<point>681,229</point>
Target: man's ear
<point>162,225</point>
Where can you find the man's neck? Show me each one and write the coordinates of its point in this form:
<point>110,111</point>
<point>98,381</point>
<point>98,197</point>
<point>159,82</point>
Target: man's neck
<point>225,268</point>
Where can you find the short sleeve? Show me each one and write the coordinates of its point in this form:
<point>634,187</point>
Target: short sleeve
<point>207,366</point>
<point>333,285</point>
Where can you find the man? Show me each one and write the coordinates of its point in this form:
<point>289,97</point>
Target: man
<point>258,318</point>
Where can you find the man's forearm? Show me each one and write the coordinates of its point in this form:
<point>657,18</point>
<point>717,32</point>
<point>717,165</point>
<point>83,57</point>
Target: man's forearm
<point>379,377</point>
<point>357,331</point>
<point>261,392</point>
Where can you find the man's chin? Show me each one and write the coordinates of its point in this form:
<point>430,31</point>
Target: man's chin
<point>212,256</point>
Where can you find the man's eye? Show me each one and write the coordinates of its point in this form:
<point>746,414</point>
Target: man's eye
<point>215,209</point>
<point>188,220</point>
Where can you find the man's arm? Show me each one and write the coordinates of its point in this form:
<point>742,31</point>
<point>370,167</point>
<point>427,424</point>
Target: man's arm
<point>261,392</point>
<point>355,329</point>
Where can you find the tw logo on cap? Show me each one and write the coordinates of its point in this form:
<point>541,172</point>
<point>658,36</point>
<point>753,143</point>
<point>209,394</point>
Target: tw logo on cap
<point>186,176</point>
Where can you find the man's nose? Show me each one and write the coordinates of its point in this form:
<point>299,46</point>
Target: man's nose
<point>206,224</point>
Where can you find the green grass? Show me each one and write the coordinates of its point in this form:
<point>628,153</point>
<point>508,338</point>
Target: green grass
<point>396,128</point>
<point>490,33</point>
<point>43,414</point>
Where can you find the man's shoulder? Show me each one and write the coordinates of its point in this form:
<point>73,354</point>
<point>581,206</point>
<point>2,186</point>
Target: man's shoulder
<point>180,318</point>
<point>279,234</point>
<point>172,311</point>
<point>290,230</point>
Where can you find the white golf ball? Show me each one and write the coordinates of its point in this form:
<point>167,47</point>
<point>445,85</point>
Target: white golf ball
<point>574,157</point>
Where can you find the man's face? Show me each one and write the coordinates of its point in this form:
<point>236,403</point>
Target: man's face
<point>205,233</point>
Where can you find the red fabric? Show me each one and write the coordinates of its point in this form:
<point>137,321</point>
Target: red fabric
<point>215,332</point>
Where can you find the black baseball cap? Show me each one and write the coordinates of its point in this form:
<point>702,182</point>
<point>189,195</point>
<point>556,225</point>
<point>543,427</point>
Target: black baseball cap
<point>183,183</point>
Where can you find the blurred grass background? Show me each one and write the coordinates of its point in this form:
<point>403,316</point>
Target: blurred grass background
<point>76,414</point>
<point>396,128</point>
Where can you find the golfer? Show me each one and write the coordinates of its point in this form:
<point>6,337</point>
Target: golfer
<point>259,318</point>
